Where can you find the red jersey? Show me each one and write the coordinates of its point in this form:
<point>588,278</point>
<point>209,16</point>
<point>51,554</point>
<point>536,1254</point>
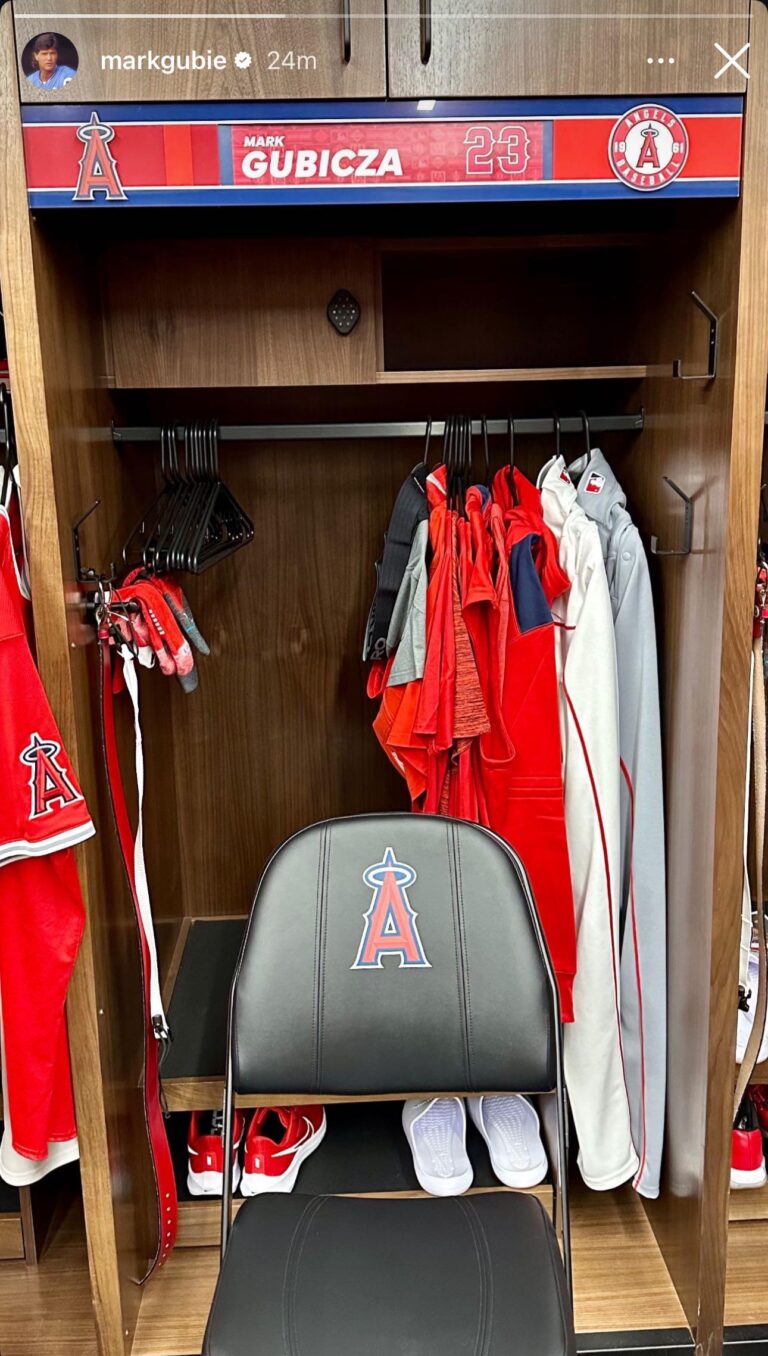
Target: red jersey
<point>40,904</point>
<point>43,806</point>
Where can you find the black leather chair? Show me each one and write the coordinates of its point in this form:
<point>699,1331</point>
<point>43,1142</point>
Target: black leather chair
<point>393,954</point>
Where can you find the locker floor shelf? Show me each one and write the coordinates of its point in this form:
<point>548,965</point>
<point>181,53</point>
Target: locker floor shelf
<point>748,1204</point>
<point>364,1153</point>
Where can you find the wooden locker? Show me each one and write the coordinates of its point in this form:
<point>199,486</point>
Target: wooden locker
<point>444,48</point>
<point>505,313</point>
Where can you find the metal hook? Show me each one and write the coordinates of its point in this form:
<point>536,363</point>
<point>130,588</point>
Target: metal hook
<point>687,547</point>
<point>556,421</point>
<point>85,574</point>
<point>714,347</point>
<point>511,443</point>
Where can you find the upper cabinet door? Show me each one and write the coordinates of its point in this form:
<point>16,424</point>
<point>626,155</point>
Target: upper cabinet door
<point>148,50</point>
<point>499,49</point>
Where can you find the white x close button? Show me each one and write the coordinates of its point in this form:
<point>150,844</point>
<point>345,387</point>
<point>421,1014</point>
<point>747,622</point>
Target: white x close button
<point>732,60</point>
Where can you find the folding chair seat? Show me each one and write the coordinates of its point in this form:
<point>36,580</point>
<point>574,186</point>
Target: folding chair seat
<point>440,982</point>
<point>335,1276</point>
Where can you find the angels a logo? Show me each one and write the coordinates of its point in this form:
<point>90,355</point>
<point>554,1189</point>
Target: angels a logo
<point>648,147</point>
<point>98,170</point>
<point>49,782</point>
<point>390,923</point>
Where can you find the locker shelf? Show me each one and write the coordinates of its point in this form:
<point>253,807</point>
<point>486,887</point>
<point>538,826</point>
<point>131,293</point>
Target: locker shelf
<point>364,1153</point>
<point>394,377</point>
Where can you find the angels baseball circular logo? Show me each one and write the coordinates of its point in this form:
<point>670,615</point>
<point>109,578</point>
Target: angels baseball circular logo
<point>648,147</point>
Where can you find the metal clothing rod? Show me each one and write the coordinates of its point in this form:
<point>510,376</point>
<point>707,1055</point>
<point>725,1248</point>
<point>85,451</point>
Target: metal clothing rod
<point>275,433</point>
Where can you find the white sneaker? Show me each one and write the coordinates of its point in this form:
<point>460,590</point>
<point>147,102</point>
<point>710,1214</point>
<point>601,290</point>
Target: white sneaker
<point>510,1128</point>
<point>437,1133</point>
<point>746,1019</point>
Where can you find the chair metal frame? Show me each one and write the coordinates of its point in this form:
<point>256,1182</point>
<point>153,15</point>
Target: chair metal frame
<point>562,1213</point>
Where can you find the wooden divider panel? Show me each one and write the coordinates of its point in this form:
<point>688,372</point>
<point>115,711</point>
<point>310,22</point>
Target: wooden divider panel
<point>708,439</point>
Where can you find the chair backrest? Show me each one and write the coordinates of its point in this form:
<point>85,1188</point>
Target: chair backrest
<point>394,953</point>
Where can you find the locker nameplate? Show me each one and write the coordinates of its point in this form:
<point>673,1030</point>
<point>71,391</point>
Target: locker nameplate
<point>190,154</point>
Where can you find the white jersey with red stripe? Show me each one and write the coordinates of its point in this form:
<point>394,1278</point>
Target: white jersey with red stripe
<point>644,896</point>
<point>586,660</point>
<point>43,806</point>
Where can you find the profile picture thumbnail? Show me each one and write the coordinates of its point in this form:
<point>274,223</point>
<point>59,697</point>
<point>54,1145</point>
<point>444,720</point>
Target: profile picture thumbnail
<point>50,61</point>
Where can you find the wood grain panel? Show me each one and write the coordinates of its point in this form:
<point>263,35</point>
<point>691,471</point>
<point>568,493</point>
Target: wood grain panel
<point>529,306</point>
<point>520,374</point>
<point>237,313</point>
<point>746,1300</point>
<point>573,47</point>
<point>37,1206</point>
<point>686,436</point>
<point>200,1094</point>
<point>294,55</point>
<point>11,1240</point>
<point>48,1310</point>
<point>747,1205</point>
<point>281,719</point>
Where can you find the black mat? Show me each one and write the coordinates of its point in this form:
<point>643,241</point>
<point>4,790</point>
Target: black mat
<point>658,1341</point>
<point>744,1341</point>
<point>198,1012</point>
<point>751,1340</point>
<point>364,1149</point>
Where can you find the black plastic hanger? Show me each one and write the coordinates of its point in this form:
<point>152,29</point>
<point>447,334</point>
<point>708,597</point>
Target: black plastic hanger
<point>486,452</point>
<point>224,526</point>
<point>587,434</point>
<point>449,438</point>
<point>136,544</point>
<point>512,485</point>
<point>427,441</point>
<point>10,460</point>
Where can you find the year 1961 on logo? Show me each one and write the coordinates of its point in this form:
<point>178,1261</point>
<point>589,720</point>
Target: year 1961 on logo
<point>648,147</point>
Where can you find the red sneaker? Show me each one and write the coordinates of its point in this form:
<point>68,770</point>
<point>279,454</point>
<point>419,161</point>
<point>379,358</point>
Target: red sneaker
<point>747,1161</point>
<point>205,1145</point>
<point>278,1140</point>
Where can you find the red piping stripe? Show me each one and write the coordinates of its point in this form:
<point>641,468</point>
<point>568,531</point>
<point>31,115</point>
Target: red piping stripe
<point>631,789</point>
<point>609,892</point>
